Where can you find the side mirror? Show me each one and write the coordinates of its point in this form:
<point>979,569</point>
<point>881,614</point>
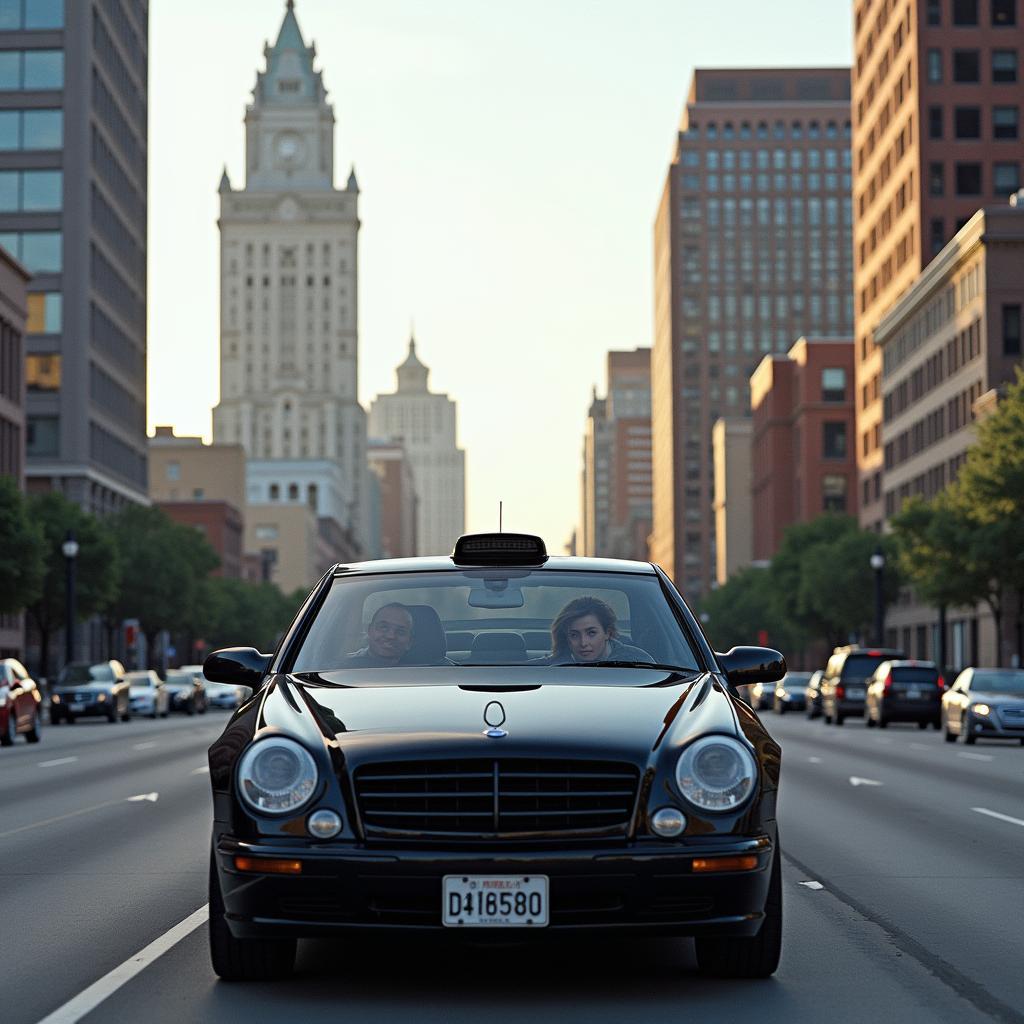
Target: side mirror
<point>243,665</point>
<point>745,665</point>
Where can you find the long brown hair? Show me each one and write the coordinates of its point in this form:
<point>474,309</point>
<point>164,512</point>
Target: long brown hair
<point>576,609</point>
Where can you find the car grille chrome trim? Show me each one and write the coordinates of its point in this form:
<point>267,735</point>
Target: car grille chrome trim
<point>490,799</point>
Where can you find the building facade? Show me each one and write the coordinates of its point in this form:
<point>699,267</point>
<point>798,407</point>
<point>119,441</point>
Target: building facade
<point>936,116</point>
<point>288,263</point>
<point>398,501</point>
<point>73,198</point>
<point>947,345</point>
<point>596,479</point>
<point>220,523</point>
<point>424,423</point>
<point>803,426</point>
<point>752,248</point>
<point>186,469</point>
<point>731,441</point>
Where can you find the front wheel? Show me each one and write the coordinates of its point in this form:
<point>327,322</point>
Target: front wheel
<point>922,724</point>
<point>756,957</point>
<point>244,959</point>
<point>32,736</point>
<point>948,736</point>
<point>965,732</point>
<point>7,733</point>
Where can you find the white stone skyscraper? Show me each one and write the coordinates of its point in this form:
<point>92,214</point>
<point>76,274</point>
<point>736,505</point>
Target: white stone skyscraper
<point>425,424</point>
<point>289,341</point>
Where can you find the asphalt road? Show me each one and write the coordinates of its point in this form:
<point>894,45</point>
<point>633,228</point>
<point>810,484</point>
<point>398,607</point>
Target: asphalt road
<point>915,911</point>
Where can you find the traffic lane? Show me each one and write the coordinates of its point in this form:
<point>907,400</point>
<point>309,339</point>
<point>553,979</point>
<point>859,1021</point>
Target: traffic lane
<point>84,892</point>
<point>921,863</point>
<point>444,978</point>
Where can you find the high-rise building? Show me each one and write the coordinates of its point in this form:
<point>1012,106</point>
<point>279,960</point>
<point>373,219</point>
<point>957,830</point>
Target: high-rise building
<point>751,251</point>
<point>391,468</point>
<point>424,423</point>
<point>734,513</point>
<point>595,485</point>
<point>936,116</point>
<point>73,141</point>
<point>289,341</point>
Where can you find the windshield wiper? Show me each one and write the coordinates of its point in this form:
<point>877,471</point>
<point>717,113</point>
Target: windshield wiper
<point>630,664</point>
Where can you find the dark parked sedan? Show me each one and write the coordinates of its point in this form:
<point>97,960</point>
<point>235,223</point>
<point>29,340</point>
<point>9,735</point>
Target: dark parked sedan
<point>84,690</point>
<point>984,703</point>
<point>377,778</point>
<point>904,691</point>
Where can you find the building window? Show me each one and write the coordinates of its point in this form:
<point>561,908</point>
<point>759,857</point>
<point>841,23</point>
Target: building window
<point>31,129</point>
<point>16,14</point>
<point>965,12</point>
<point>934,12</point>
<point>198,494</point>
<point>1004,65</point>
<point>833,384</point>
<point>40,251</point>
<point>1004,122</point>
<point>966,66</point>
<point>833,493</point>
<point>967,122</point>
<point>1004,12</point>
<point>266,531</point>
<point>45,313</point>
<point>935,122</point>
<point>968,179</point>
<point>275,492</point>
<point>1011,330</point>
<point>42,372</point>
<point>42,436</point>
<point>173,471</point>
<point>938,234</point>
<point>934,65</point>
<point>1005,178</point>
<point>833,440</point>
<point>936,179</point>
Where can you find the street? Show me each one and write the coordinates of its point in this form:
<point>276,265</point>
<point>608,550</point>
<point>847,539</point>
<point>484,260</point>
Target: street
<point>904,897</point>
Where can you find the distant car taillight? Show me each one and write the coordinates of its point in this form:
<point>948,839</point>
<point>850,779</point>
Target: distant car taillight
<point>888,682</point>
<point>941,683</point>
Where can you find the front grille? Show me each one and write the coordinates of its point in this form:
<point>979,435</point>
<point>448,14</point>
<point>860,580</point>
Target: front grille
<point>1012,718</point>
<point>496,798</point>
<point>77,698</point>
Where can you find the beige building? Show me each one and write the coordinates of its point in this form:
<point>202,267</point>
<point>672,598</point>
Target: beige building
<point>953,338</point>
<point>286,543</point>
<point>186,469</point>
<point>731,439</point>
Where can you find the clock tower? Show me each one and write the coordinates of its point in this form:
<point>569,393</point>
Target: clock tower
<point>288,316</point>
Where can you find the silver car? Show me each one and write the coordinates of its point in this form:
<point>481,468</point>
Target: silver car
<point>984,703</point>
<point>147,695</point>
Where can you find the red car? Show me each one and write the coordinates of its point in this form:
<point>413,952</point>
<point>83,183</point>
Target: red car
<point>20,703</point>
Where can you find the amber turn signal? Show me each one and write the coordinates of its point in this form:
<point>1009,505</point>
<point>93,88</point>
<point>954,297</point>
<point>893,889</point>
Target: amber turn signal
<point>269,865</point>
<point>747,862</point>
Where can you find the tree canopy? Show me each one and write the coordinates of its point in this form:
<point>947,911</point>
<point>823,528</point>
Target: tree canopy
<point>22,566</point>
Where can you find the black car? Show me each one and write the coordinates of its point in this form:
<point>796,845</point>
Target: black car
<point>812,694</point>
<point>83,690</point>
<point>904,691</point>
<point>186,690</point>
<point>843,687</point>
<point>390,771</point>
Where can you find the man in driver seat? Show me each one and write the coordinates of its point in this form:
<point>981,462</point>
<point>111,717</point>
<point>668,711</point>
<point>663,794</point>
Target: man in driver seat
<point>389,637</point>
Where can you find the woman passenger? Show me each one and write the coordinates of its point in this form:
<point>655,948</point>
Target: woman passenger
<point>584,632</point>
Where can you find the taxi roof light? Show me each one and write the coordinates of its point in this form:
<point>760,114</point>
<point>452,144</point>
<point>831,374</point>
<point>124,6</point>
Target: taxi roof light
<point>499,549</point>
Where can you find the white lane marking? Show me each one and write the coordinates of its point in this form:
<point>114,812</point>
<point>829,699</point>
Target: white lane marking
<point>976,757</point>
<point>56,761</point>
<point>856,780</point>
<point>75,814</point>
<point>203,769</point>
<point>1001,817</point>
<point>87,1000</point>
<point>814,760</point>
<point>151,797</point>
<point>144,746</point>
<point>811,885</point>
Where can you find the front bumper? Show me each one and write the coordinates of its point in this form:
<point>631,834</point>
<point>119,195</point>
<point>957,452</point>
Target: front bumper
<point>991,726</point>
<point>646,887</point>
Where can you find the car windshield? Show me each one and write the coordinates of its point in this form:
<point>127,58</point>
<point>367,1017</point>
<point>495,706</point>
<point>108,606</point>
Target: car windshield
<point>916,675</point>
<point>998,682</point>
<point>495,617</point>
<point>76,675</point>
<point>858,667</point>
<point>139,679</point>
<point>180,678</point>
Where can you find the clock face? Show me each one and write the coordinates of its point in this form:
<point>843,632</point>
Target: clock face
<point>289,147</point>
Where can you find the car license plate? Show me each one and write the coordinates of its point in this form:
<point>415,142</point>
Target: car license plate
<point>913,694</point>
<point>77,707</point>
<point>855,693</point>
<point>495,901</point>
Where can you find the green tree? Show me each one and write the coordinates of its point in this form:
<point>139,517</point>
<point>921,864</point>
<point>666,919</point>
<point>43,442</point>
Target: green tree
<point>740,610</point>
<point>241,614</point>
<point>22,566</point>
<point>96,571</point>
<point>163,566</point>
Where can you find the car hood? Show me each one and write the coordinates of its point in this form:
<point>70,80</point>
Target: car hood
<point>579,711</point>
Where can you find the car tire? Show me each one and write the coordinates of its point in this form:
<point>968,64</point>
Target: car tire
<point>153,714</point>
<point>839,718</point>
<point>244,959</point>
<point>869,721</point>
<point>33,734</point>
<point>755,957</point>
<point>127,716</point>
<point>164,714</point>
<point>883,722</point>
<point>948,736</point>
<point>112,715</point>
<point>965,732</point>
<point>781,708</point>
<point>7,734</point>
<point>923,724</point>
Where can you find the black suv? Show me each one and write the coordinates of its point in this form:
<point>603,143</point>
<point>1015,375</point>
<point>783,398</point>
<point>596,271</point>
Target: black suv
<point>843,686</point>
<point>905,691</point>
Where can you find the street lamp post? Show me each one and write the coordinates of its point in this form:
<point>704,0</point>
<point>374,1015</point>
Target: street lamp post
<point>70,550</point>
<point>878,565</point>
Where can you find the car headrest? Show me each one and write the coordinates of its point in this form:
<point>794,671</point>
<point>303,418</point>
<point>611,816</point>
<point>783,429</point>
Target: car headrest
<point>428,644</point>
<point>490,647</point>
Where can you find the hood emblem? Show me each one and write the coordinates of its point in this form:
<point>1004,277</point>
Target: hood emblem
<point>494,716</point>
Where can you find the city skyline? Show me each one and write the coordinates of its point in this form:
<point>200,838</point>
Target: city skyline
<point>474,240</point>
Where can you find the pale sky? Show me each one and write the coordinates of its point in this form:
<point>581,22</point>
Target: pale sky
<point>510,156</point>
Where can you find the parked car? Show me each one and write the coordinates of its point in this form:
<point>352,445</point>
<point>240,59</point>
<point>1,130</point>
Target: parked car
<point>84,690</point>
<point>187,691</point>
<point>379,782</point>
<point>226,695</point>
<point>984,703</point>
<point>790,692</point>
<point>20,703</point>
<point>761,695</point>
<point>843,688</point>
<point>203,701</point>
<point>149,696</point>
<point>904,691</point>
<point>812,694</point>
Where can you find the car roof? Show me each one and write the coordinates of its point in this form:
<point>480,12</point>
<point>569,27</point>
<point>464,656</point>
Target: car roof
<point>444,563</point>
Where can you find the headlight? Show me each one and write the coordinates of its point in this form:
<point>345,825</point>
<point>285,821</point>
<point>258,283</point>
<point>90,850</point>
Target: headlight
<point>716,773</point>
<point>101,696</point>
<point>980,709</point>
<point>276,776</point>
